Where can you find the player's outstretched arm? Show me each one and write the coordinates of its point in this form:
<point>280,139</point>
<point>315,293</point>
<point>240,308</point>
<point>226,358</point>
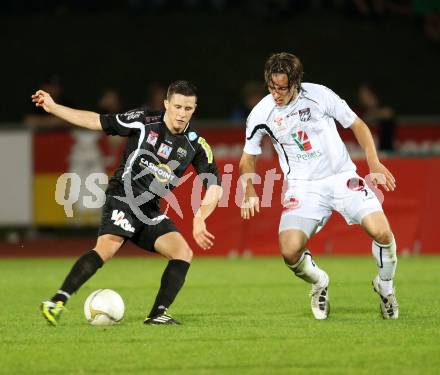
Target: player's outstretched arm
<point>84,119</point>
<point>365,140</point>
<point>251,202</point>
<point>201,235</point>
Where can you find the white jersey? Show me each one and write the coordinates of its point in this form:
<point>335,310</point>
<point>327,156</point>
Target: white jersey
<point>303,133</point>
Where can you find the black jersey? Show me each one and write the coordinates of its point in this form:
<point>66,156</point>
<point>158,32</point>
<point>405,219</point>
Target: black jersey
<point>154,158</point>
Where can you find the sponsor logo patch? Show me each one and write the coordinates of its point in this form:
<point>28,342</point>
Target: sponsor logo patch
<point>118,218</point>
<point>308,155</point>
<point>292,114</point>
<point>291,204</point>
<point>181,153</point>
<point>152,138</point>
<point>356,184</point>
<point>302,140</point>
<point>278,120</point>
<point>164,150</point>
<point>162,172</point>
<point>192,136</point>
<point>133,115</point>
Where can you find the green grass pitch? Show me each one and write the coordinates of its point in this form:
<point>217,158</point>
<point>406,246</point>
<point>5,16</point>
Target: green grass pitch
<point>241,316</point>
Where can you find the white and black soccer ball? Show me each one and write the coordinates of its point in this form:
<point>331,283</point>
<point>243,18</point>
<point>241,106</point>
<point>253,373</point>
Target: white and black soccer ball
<point>104,307</point>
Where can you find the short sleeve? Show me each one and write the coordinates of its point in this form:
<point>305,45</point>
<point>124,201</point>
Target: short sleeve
<point>204,164</point>
<point>123,124</point>
<point>338,109</point>
<point>254,136</point>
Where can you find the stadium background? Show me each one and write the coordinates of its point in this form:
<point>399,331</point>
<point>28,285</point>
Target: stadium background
<point>242,313</point>
<point>220,45</point>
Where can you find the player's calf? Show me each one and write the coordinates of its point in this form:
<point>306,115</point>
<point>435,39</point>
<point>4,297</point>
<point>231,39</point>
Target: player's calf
<point>307,270</point>
<point>386,260</point>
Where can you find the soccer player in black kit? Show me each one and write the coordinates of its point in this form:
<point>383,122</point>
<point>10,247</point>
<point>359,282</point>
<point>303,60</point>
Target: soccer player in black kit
<point>159,149</point>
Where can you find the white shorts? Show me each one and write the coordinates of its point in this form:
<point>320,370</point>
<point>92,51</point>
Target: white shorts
<point>346,193</point>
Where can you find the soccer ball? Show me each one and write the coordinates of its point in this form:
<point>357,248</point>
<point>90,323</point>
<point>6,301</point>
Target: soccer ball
<point>104,307</point>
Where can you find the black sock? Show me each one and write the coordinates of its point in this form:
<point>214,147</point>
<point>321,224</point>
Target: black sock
<point>84,268</point>
<point>172,281</point>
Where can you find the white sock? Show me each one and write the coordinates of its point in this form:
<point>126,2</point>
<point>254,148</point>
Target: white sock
<point>386,259</point>
<point>386,287</point>
<point>306,269</point>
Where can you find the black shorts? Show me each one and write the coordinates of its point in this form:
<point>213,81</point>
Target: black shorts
<point>119,219</point>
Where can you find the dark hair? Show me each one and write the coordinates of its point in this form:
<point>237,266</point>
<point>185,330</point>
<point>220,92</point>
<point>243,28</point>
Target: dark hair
<point>183,88</point>
<point>284,63</point>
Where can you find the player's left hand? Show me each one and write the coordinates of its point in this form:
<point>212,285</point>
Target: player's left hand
<point>388,181</point>
<point>43,99</point>
<point>201,235</point>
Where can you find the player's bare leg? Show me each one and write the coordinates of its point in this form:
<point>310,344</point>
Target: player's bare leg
<point>299,260</point>
<point>173,247</point>
<point>84,268</point>
<point>384,251</point>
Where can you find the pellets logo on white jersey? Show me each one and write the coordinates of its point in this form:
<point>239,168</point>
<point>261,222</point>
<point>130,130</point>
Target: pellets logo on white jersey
<point>119,219</point>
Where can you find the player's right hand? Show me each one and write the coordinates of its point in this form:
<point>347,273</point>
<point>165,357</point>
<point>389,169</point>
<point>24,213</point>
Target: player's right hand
<point>250,205</point>
<point>43,99</point>
<point>201,235</point>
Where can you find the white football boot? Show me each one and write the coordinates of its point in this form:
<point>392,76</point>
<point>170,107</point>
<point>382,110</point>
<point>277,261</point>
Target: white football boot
<point>320,301</point>
<point>388,304</point>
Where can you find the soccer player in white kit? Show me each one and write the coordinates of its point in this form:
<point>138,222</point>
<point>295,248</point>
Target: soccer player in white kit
<point>300,119</point>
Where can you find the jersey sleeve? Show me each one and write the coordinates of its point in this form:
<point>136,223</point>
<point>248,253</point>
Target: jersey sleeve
<point>337,108</point>
<point>254,135</point>
<point>204,164</point>
<point>123,124</point>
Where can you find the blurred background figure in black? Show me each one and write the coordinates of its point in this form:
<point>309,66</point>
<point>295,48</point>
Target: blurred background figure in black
<point>37,117</point>
<point>110,101</point>
<point>374,112</point>
<point>156,94</point>
<point>369,9</point>
<point>251,93</point>
<point>428,16</point>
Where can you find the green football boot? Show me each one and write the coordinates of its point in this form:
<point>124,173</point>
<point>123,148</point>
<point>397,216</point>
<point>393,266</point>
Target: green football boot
<point>52,311</point>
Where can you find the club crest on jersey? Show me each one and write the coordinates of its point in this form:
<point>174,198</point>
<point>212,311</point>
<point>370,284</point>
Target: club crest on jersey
<point>278,120</point>
<point>181,153</point>
<point>302,140</point>
<point>304,114</point>
<point>164,150</point>
<point>152,138</point>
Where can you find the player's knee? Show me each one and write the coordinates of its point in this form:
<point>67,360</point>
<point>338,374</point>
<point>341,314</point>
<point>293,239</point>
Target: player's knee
<point>291,248</point>
<point>107,246</point>
<point>105,254</point>
<point>184,253</point>
<point>383,236</point>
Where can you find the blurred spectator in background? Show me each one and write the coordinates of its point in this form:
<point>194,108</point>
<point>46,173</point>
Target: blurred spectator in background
<point>38,117</point>
<point>375,113</point>
<point>427,13</point>
<point>252,93</point>
<point>110,101</point>
<point>156,94</point>
<point>370,9</point>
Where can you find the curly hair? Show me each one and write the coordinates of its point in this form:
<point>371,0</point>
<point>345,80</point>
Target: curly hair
<point>284,63</point>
